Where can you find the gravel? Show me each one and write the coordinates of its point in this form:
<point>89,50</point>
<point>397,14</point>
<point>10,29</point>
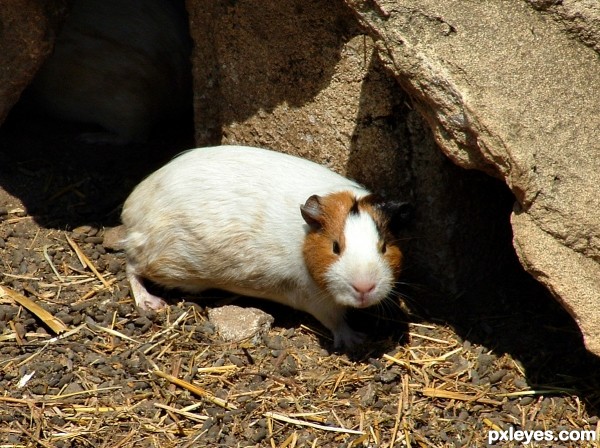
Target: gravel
<point>444,375</point>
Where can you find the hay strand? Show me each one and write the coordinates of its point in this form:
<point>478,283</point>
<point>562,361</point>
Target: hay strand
<point>294,421</point>
<point>85,261</point>
<point>54,323</point>
<point>195,390</point>
<point>451,395</point>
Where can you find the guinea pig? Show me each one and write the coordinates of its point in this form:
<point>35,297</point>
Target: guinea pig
<point>121,65</point>
<point>264,224</point>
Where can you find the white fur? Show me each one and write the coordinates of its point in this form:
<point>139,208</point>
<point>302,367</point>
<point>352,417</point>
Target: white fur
<point>229,217</point>
<point>361,262</point>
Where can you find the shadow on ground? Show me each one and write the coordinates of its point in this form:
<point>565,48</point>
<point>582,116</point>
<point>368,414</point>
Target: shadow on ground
<point>65,182</point>
<point>463,217</point>
<point>509,312</point>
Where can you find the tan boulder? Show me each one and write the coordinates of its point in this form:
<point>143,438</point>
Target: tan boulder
<point>508,90</point>
<point>301,77</point>
<point>27,32</point>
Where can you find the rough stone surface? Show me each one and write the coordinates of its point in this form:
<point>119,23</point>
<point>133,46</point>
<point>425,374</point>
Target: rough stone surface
<point>113,238</point>
<point>506,90</point>
<point>27,31</point>
<point>289,74</point>
<point>579,17</point>
<point>235,323</point>
<point>302,78</point>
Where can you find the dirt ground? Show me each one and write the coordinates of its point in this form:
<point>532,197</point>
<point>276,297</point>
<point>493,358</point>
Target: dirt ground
<point>443,374</point>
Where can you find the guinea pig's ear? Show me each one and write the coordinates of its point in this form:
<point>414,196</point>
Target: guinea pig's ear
<point>312,212</point>
<point>399,213</point>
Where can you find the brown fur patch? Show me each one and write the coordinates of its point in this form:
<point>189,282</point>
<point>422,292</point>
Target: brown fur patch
<point>318,245</point>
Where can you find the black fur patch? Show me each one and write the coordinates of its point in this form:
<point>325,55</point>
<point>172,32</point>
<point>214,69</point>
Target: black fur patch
<point>354,210</point>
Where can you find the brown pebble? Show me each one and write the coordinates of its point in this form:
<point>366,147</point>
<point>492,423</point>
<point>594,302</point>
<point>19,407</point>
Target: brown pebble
<point>113,238</point>
<point>114,266</point>
<point>497,376</point>
<point>17,257</point>
<point>237,361</point>
<point>526,401</point>
<point>82,229</point>
<point>274,343</point>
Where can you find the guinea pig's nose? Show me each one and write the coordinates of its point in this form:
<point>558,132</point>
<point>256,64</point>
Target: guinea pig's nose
<point>363,287</point>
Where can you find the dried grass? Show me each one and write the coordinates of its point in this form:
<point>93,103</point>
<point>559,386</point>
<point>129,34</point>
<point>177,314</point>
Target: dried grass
<point>199,388</point>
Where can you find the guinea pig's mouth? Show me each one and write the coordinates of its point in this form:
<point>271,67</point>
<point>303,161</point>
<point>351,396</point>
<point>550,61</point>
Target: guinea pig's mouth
<point>362,300</point>
<point>364,297</point>
<point>358,291</point>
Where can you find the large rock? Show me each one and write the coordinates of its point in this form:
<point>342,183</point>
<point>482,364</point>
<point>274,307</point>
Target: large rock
<point>507,88</point>
<point>509,91</point>
<point>27,32</point>
<point>301,77</point>
<point>579,17</point>
<point>121,66</point>
<point>285,75</point>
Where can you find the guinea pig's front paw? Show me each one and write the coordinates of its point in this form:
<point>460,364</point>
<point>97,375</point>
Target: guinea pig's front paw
<point>150,302</point>
<point>345,337</point>
<point>146,301</point>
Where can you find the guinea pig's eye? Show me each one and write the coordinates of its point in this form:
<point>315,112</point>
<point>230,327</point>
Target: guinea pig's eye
<point>383,247</point>
<point>336,248</point>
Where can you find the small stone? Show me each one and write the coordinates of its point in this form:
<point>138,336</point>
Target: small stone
<point>274,343</point>
<point>235,323</point>
<point>376,363</point>
<point>73,388</point>
<point>236,360</point>
<point>387,377</point>
<point>289,367</point>
<point>259,435</point>
<point>284,403</point>
<point>141,385</point>
<point>113,266</point>
<point>484,362</point>
<point>497,376</point>
<point>57,420</point>
<point>525,401</point>
<point>521,384</point>
<point>367,395</point>
<point>113,238</point>
<point>82,229</point>
<point>20,330</point>
<point>17,257</point>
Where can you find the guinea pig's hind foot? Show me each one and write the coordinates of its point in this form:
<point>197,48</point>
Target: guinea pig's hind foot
<point>346,337</point>
<point>143,298</point>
